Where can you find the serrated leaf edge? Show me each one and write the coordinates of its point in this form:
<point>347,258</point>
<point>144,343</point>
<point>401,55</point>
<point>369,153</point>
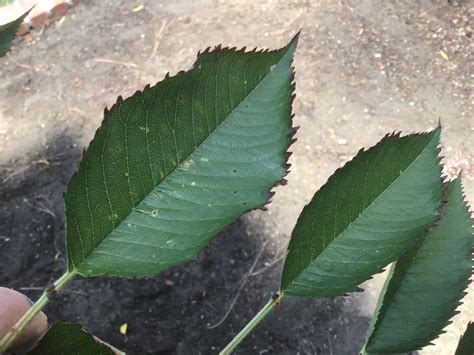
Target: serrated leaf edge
<point>218,49</point>
<point>395,134</point>
<point>417,244</point>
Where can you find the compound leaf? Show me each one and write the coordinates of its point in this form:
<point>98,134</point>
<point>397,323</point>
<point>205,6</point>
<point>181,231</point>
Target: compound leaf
<point>68,338</point>
<point>425,285</point>
<point>171,166</point>
<point>466,343</point>
<point>364,217</point>
<point>8,32</point>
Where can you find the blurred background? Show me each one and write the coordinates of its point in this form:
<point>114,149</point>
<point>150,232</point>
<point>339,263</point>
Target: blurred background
<point>363,68</point>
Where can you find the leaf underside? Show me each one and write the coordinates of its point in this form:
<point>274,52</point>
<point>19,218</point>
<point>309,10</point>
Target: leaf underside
<point>171,166</point>
<point>69,338</point>
<point>466,344</point>
<point>364,217</point>
<point>425,286</point>
<point>8,33</point>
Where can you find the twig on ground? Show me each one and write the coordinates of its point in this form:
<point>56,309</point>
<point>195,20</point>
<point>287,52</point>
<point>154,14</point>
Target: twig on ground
<point>287,25</point>
<point>81,113</point>
<point>117,62</point>
<point>24,168</point>
<point>16,172</point>
<point>276,259</point>
<point>242,283</point>
<point>12,58</point>
<point>46,206</point>
<point>159,35</point>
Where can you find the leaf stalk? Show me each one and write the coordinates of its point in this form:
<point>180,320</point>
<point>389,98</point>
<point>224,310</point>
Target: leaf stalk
<point>23,322</point>
<point>250,325</point>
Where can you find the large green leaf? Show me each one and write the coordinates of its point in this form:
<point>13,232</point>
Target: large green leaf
<point>466,344</point>
<point>424,287</point>
<point>67,338</point>
<point>174,164</point>
<point>364,217</point>
<point>8,32</point>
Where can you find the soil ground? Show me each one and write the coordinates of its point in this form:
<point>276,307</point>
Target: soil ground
<point>364,68</point>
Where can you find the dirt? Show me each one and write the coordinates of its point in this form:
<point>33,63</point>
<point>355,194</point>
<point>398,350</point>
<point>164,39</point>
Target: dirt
<point>364,68</point>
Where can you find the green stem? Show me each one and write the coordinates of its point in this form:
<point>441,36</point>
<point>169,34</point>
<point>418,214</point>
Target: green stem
<point>250,325</point>
<point>10,337</point>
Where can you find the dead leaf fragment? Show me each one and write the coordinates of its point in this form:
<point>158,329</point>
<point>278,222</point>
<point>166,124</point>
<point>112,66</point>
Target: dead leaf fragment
<point>138,8</point>
<point>123,329</point>
<point>443,55</point>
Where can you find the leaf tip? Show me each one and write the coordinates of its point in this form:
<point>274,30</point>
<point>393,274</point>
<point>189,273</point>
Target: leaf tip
<point>296,37</point>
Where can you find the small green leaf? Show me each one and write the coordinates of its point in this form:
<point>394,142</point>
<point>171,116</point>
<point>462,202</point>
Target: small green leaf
<point>425,285</point>
<point>364,217</point>
<point>67,338</point>
<point>466,343</point>
<point>8,32</point>
<point>173,165</point>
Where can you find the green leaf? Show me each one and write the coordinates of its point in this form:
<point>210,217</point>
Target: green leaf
<point>173,165</point>
<point>466,344</point>
<point>364,217</point>
<point>8,33</point>
<point>425,285</point>
<point>67,338</point>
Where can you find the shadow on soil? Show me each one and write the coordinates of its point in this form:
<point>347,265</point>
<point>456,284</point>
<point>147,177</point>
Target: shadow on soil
<point>170,313</point>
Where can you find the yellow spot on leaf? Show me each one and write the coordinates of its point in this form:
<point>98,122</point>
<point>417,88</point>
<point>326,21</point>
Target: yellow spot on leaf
<point>187,164</point>
<point>154,213</point>
<point>123,329</point>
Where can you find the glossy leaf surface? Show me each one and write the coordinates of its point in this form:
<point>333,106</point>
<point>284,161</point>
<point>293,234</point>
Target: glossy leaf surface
<point>171,166</point>
<point>364,217</point>
<point>425,286</point>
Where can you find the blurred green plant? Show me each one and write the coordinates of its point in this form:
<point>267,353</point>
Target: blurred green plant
<point>6,2</point>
